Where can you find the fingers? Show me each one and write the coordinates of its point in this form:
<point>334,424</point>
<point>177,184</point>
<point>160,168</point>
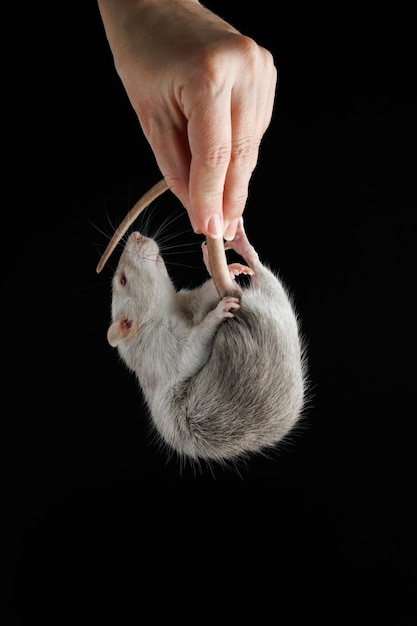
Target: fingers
<point>252,107</point>
<point>205,133</point>
<point>203,94</point>
<point>225,135</point>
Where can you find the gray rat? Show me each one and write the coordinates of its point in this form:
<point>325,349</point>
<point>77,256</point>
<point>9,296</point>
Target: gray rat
<point>222,377</point>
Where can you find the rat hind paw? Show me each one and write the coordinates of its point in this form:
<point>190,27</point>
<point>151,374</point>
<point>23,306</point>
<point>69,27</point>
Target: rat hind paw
<point>237,268</point>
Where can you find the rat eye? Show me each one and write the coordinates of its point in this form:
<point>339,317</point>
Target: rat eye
<point>123,279</point>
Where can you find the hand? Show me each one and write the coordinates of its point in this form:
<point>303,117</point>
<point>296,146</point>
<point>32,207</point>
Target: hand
<point>204,97</point>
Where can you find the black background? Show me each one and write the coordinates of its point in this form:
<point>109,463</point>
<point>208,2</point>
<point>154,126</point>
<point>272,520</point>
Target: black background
<point>100,522</point>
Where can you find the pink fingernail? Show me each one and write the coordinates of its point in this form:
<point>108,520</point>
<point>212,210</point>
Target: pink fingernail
<point>215,226</point>
<point>231,229</point>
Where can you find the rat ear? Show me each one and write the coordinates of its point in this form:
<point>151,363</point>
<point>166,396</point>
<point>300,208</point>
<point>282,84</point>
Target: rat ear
<point>121,329</point>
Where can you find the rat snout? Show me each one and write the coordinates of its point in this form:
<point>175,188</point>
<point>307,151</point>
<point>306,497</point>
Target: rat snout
<point>137,237</point>
<point>141,245</point>
<point>135,242</point>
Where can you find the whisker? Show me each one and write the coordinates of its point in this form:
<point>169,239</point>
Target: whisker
<point>170,252</point>
<point>184,265</point>
<point>100,229</point>
<point>169,230</point>
<point>167,222</point>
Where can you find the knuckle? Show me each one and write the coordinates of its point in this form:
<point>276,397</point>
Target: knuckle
<point>217,157</point>
<point>245,150</point>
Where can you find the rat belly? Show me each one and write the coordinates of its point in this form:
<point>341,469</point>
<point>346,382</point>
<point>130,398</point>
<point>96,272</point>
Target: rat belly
<point>247,397</point>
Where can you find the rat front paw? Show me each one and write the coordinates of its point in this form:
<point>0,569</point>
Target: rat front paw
<point>225,307</point>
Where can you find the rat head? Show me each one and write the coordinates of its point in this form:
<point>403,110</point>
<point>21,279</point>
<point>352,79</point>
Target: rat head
<point>140,287</point>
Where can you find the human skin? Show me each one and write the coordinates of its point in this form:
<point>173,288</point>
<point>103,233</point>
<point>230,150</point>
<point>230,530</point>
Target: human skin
<point>203,94</point>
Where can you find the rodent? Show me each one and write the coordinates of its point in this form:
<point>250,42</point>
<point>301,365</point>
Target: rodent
<point>222,377</point>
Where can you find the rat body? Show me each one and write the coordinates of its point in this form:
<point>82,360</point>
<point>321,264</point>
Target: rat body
<point>221,377</point>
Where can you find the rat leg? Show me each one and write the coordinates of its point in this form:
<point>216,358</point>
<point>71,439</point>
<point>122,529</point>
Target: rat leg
<point>202,334</point>
<point>241,245</point>
<point>262,274</point>
<point>196,351</point>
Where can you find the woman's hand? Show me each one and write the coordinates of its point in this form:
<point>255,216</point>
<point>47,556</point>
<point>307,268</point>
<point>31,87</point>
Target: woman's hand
<point>204,97</point>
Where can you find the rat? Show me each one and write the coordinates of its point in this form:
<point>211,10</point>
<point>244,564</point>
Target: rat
<point>223,377</point>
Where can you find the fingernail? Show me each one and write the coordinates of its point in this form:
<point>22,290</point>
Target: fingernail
<point>194,225</point>
<point>215,226</point>
<point>231,229</point>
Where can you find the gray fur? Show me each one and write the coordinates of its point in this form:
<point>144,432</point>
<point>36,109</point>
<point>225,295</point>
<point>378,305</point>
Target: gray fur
<point>221,379</point>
